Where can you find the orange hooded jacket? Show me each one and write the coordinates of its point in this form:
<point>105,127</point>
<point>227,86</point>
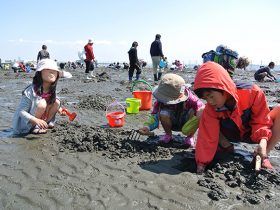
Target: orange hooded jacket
<point>249,117</point>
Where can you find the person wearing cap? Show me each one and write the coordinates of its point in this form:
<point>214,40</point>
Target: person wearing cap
<point>39,104</point>
<point>235,112</point>
<point>89,59</point>
<point>156,54</point>
<point>133,62</point>
<point>43,54</point>
<point>176,107</point>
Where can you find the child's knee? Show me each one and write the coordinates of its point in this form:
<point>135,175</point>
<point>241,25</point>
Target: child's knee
<point>57,104</point>
<point>164,115</point>
<point>42,104</point>
<point>275,112</point>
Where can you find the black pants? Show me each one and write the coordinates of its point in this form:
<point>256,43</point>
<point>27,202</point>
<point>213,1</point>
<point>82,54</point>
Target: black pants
<point>89,66</point>
<point>131,70</point>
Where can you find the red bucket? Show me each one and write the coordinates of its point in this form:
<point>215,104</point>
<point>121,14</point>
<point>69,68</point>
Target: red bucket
<point>115,119</point>
<point>144,95</point>
<point>115,113</point>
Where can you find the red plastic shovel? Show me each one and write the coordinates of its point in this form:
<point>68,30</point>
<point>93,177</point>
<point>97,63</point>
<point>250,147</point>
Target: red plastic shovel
<point>71,115</point>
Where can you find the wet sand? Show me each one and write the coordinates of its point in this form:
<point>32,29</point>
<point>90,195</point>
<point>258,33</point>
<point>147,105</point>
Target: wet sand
<point>85,165</point>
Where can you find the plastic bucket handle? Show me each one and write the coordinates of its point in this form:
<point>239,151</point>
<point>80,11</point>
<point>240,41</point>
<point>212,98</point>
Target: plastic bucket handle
<point>115,103</point>
<point>140,81</point>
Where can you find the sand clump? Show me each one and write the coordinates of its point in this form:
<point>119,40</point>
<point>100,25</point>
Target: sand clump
<point>255,186</point>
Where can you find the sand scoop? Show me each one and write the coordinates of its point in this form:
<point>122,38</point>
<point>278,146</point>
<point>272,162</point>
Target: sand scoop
<point>134,135</point>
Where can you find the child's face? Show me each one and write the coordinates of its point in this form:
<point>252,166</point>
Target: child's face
<point>215,98</point>
<point>49,75</point>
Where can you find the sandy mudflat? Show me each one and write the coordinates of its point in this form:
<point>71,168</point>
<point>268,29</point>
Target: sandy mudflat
<point>84,165</point>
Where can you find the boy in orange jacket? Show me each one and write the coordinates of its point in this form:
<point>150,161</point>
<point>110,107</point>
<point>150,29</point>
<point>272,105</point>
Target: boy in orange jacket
<point>234,112</point>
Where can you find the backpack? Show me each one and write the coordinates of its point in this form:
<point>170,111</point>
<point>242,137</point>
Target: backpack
<point>223,56</point>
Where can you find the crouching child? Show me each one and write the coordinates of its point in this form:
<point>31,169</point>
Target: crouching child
<point>235,112</point>
<point>176,108</point>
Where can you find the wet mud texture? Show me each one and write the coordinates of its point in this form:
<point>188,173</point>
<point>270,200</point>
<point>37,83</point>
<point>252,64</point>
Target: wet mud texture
<point>99,77</point>
<point>64,91</point>
<point>255,186</point>
<point>96,102</point>
<point>111,143</point>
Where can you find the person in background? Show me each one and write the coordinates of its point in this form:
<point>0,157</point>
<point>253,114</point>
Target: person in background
<point>43,54</point>
<point>16,67</point>
<point>265,72</point>
<point>176,107</point>
<point>133,62</point>
<point>125,66</point>
<point>1,64</point>
<point>22,66</point>
<point>118,66</point>
<point>89,59</point>
<point>227,58</point>
<point>39,104</point>
<point>235,112</point>
<point>156,54</point>
<point>163,64</point>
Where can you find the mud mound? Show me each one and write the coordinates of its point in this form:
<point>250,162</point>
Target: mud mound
<point>64,91</point>
<point>277,146</point>
<point>268,92</point>
<point>112,143</point>
<point>102,77</point>
<point>254,185</point>
<point>97,102</point>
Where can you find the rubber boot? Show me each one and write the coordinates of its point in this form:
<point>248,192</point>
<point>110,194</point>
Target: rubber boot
<point>87,77</point>
<point>91,74</point>
<point>155,77</point>
<point>159,75</point>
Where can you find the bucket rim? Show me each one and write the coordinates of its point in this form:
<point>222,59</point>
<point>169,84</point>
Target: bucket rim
<point>140,81</point>
<point>117,116</point>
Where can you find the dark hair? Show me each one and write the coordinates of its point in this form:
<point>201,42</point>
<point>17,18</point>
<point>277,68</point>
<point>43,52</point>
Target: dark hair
<point>134,44</point>
<point>38,86</point>
<point>44,47</point>
<point>158,36</point>
<point>271,64</point>
<point>200,91</point>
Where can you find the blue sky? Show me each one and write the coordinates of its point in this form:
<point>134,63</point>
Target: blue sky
<point>188,28</point>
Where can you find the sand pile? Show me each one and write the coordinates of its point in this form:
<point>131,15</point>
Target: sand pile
<point>112,143</point>
<point>96,102</point>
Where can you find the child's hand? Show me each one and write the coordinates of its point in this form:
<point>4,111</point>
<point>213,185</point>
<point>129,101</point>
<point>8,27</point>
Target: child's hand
<point>200,169</point>
<point>144,131</point>
<point>61,111</point>
<point>261,148</point>
<point>40,123</point>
